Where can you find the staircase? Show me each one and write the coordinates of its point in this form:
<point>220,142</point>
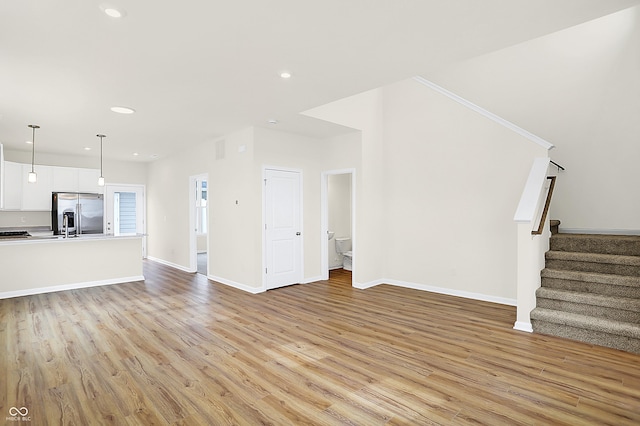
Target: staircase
<point>591,290</point>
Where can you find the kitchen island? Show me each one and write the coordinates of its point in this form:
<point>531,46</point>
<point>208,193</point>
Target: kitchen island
<point>51,263</point>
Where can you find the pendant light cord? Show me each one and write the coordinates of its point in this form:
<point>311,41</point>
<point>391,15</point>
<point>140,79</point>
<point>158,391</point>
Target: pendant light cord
<point>33,144</point>
<point>33,147</point>
<point>101,152</point>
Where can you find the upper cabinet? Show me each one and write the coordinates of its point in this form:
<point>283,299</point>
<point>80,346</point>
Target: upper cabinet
<point>12,185</point>
<point>18,194</point>
<point>65,179</point>
<point>88,181</point>
<point>71,179</point>
<point>37,196</point>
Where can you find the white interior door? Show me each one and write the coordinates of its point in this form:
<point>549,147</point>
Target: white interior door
<point>125,211</point>
<point>283,228</point>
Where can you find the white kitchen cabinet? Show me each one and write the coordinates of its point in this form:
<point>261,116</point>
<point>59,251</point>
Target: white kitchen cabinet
<point>18,194</point>
<point>12,185</point>
<point>65,179</point>
<point>1,176</point>
<point>88,181</point>
<point>37,196</point>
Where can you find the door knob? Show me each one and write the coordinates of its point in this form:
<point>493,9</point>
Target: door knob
<point>297,233</point>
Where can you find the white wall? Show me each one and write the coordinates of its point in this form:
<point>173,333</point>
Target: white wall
<point>437,193</point>
<point>234,213</point>
<point>453,182</point>
<point>288,150</point>
<point>339,209</point>
<point>579,89</point>
<point>168,205</point>
<point>235,199</point>
<point>363,112</point>
<point>436,189</point>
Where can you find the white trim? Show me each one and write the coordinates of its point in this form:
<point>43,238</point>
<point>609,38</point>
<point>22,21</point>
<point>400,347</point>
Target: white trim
<point>171,264</point>
<point>312,279</point>
<point>439,290</point>
<point>491,116</point>
<point>234,284</point>
<point>364,286</point>
<point>193,235</point>
<point>51,289</point>
<point>523,326</point>
<point>600,231</point>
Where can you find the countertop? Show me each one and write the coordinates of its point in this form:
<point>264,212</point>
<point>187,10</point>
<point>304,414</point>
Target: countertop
<point>46,235</point>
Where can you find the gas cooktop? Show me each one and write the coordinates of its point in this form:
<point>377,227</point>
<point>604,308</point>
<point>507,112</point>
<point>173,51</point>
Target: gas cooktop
<point>14,234</point>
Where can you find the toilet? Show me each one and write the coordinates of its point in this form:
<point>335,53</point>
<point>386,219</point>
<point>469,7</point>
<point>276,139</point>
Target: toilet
<point>343,247</point>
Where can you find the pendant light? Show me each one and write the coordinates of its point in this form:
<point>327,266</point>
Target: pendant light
<point>33,177</point>
<point>101,178</point>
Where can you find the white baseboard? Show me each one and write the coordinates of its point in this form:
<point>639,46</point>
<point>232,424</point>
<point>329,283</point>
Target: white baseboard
<point>234,284</point>
<point>171,264</point>
<point>439,290</point>
<point>364,286</point>
<point>523,326</point>
<point>54,288</point>
<point>312,279</point>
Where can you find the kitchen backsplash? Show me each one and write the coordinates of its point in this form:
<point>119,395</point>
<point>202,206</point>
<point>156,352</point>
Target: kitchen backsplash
<point>17,219</point>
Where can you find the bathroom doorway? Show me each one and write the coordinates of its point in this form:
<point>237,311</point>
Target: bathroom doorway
<point>199,241</point>
<point>338,220</point>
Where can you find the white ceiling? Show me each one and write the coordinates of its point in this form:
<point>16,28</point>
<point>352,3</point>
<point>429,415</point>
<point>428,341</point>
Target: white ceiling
<point>198,69</point>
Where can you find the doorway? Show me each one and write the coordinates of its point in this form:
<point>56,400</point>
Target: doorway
<point>283,239</point>
<point>125,211</point>
<point>338,213</point>
<point>199,213</point>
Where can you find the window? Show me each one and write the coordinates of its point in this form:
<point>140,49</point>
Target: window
<point>125,216</point>
<point>201,206</point>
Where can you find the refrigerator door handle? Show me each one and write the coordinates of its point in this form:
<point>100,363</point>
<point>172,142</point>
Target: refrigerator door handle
<point>79,220</point>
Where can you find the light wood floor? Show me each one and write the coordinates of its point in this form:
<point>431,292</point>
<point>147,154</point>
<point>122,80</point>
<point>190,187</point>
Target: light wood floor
<point>178,349</point>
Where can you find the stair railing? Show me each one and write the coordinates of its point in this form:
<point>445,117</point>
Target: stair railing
<point>547,203</point>
<point>530,246</point>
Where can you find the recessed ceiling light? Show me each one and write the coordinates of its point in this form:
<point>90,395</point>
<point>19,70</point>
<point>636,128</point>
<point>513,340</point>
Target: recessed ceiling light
<point>112,11</point>
<point>135,154</point>
<point>87,148</point>
<point>273,121</point>
<point>29,142</point>
<point>123,110</point>
<point>285,75</point>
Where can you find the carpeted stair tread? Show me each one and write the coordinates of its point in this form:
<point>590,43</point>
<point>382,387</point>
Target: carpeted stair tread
<point>620,280</point>
<point>626,303</point>
<point>586,322</point>
<point>628,245</point>
<point>614,259</point>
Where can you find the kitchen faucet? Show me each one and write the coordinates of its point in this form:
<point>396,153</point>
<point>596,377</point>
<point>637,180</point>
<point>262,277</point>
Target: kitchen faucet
<point>65,225</point>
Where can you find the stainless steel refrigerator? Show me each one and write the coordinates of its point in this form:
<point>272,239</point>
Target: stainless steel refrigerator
<point>84,212</point>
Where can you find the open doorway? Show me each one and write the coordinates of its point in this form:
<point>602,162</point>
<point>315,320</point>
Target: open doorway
<point>198,202</point>
<point>338,222</point>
